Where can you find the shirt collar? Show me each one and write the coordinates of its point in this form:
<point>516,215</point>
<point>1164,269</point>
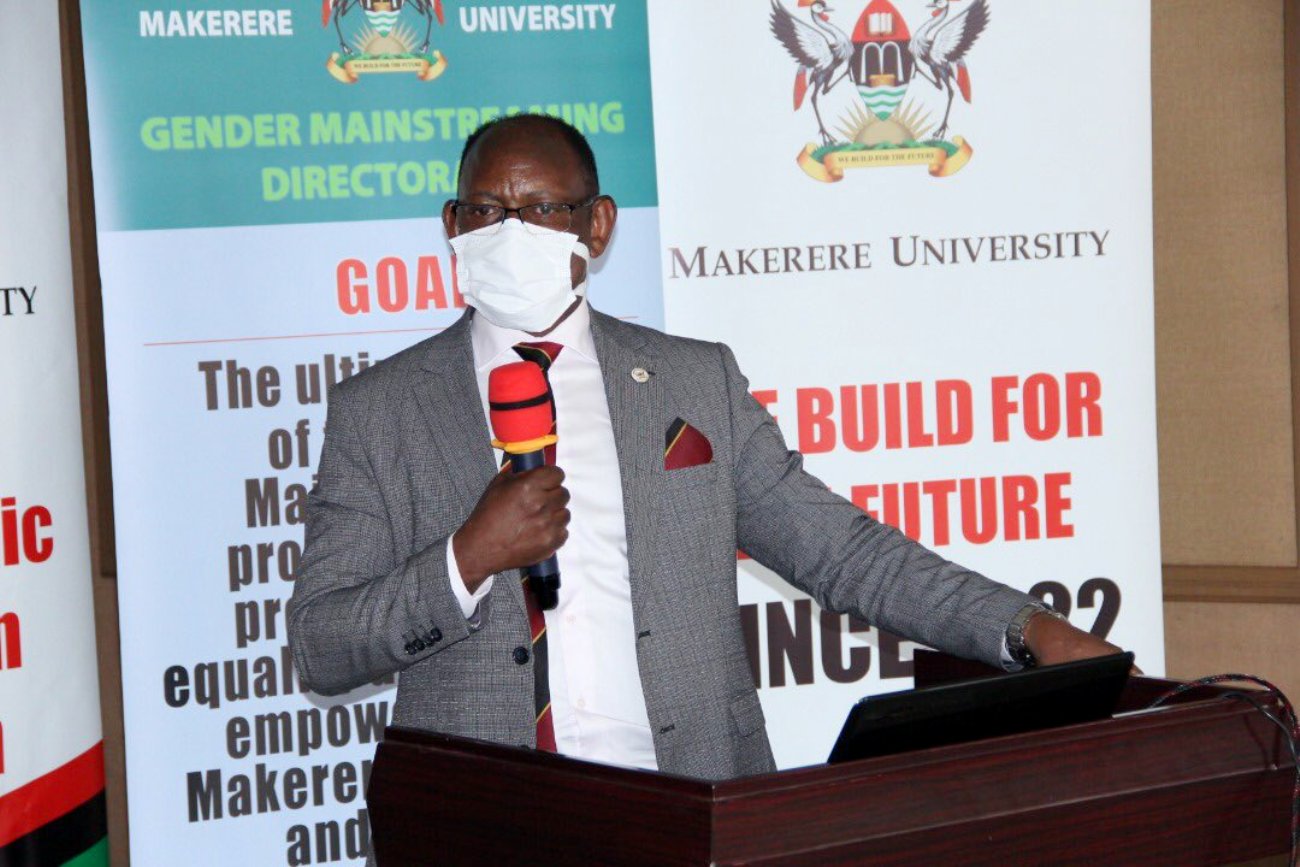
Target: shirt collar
<point>492,343</point>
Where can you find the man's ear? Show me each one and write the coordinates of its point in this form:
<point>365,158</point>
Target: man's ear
<point>449,218</point>
<point>604,213</point>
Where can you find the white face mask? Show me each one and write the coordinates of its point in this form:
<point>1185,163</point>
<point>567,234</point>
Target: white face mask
<point>518,276</point>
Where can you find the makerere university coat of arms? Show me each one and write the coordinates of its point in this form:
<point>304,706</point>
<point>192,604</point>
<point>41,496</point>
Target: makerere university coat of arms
<point>882,58</point>
<point>384,43</point>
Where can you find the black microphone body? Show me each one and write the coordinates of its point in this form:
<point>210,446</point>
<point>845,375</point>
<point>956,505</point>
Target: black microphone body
<point>543,577</point>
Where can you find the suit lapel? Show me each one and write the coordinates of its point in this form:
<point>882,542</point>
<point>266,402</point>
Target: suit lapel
<point>634,408</point>
<point>448,398</point>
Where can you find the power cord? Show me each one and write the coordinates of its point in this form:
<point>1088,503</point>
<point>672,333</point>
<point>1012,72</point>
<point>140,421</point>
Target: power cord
<point>1287,722</point>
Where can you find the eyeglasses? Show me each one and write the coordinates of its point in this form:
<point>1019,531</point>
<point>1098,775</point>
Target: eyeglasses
<point>556,216</point>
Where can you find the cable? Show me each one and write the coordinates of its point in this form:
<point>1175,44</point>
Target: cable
<point>1287,722</point>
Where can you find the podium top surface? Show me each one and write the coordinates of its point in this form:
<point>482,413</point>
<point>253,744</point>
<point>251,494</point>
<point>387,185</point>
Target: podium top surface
<point>1132,717</point>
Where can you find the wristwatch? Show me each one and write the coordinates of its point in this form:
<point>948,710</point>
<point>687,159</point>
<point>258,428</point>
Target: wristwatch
<point>1016,632</point>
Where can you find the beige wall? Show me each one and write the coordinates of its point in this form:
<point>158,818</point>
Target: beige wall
<point>1223,339</point>
<point>1225,330</point>
<point>1205,637</point>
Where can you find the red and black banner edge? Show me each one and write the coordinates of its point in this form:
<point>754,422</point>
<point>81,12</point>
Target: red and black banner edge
<point>61,840</point>
<point>63,809</point>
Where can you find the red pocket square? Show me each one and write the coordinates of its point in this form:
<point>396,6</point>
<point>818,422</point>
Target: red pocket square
<point>684,446</point>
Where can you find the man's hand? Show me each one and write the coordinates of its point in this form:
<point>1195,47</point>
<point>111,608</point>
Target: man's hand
<point>520,520</point>
<point>1052,640</point>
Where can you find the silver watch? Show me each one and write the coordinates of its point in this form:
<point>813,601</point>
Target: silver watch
<point>1016,631</point>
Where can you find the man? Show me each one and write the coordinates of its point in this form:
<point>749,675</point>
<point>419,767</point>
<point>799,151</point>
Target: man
<point>415,541</point>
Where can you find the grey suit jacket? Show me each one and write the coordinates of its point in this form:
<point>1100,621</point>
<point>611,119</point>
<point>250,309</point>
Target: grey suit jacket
<point>406,456</point>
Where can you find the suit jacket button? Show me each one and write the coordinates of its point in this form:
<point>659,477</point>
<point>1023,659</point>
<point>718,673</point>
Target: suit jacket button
<point>520,655</point>
<point>435,635</point>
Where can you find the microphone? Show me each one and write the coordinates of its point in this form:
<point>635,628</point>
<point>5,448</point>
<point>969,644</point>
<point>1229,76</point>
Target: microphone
<point>522,412</point>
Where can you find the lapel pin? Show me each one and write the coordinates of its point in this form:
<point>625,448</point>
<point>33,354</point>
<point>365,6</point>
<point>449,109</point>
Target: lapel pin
<point>640,374</point>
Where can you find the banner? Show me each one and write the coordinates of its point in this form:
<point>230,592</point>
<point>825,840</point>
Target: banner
<point>268,182</point>
<point>51,753</point>
<point>925,230</point>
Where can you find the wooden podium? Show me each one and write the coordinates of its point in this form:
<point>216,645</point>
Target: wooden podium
<point>1204,781</point>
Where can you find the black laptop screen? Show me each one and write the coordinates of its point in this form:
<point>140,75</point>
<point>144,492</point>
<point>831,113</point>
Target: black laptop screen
<point>1024,701</point>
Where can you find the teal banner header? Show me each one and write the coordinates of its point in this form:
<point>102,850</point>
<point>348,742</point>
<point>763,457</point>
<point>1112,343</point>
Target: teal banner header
<point>318,112</point>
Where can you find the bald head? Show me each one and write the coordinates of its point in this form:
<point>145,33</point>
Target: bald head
<point>546,138</point>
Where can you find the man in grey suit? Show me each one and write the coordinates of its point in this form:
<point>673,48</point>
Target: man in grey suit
<point>415,542</point>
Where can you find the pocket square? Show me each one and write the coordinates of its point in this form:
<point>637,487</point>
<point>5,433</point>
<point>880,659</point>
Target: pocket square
<point>684,447</point>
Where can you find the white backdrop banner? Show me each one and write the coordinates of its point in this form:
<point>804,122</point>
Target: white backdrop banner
<point>51,756</point>
<point>925,230</point>
<point>267,185</point>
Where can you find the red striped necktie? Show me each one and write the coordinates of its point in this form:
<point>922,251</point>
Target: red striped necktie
<point>543,354</point>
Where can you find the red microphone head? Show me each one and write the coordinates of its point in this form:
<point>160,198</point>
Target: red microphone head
<point>519,402</point>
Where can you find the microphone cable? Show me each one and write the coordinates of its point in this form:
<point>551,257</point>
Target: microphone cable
<point>1286,722</point>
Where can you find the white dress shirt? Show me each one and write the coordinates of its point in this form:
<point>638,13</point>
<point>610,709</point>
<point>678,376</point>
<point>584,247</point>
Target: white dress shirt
<point>597,706</point>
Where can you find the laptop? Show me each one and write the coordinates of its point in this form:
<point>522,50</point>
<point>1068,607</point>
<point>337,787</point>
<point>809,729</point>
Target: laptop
<point>1037,698</point>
